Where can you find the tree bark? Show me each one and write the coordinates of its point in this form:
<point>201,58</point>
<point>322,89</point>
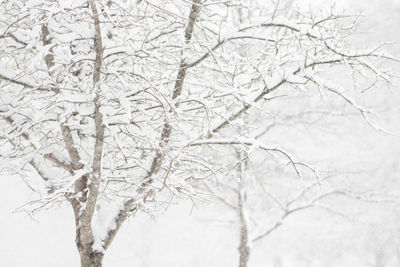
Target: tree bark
<point>90,258</point>
<point>244,249</point>
<point>88,185</point>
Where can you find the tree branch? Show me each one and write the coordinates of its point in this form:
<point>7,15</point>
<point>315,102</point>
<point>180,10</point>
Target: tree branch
<point>179,81</point>
<point>166,131</point>
<point>71,147</point>
<point>24,84</point>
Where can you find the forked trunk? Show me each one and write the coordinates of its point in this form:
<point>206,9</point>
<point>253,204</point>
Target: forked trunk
<point>90,258</point>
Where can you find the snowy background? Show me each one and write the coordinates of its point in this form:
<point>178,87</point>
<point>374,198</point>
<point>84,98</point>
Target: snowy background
<point>201,235</point>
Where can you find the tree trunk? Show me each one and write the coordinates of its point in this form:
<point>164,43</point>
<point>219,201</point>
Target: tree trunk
<point>244,250</point>
<point>84,243</point>
<point>90,258</point>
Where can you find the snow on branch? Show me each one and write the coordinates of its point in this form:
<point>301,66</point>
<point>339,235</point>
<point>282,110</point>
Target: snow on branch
<point>337,90</point>
<point>27,85</point>
<point>314,203</point>
<point>255,144</point>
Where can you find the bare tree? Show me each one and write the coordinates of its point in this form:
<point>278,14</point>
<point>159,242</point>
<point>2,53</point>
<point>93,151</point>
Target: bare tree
<point>262,199</point>
<point>260,194</point>
<point>113,103</point>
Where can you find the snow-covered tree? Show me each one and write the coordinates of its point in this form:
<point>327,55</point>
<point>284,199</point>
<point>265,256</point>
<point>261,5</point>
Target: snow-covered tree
<point>258,196</point>
<point>115,103</point>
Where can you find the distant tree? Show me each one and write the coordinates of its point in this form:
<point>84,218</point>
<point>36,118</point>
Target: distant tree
<point>115,104</point>
<point>263,196</point>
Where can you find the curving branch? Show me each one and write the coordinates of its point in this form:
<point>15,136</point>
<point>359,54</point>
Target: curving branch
<point>248,142</point>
